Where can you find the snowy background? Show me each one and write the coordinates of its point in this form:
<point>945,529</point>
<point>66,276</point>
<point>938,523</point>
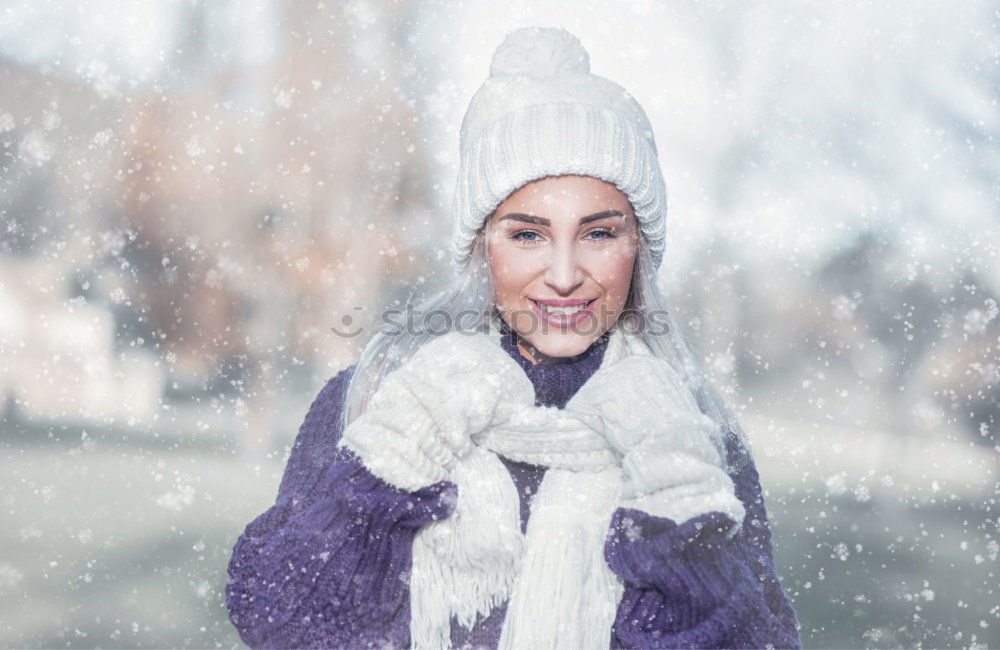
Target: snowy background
<point>193,193</point>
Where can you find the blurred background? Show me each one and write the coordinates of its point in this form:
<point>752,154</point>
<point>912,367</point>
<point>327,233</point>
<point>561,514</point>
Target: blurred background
<point>192,194</point>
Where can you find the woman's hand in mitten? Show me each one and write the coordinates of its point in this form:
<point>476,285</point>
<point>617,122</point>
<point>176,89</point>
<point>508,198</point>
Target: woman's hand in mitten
<point>421,419</point>
<point>671,463</point>
<point>467,381</point>
<point>640,397</point>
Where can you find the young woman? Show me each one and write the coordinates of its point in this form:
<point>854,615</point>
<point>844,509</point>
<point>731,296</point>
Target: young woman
<point>541,464</point>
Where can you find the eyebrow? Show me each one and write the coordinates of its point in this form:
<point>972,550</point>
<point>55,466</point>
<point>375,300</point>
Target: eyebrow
<point>542,221</point>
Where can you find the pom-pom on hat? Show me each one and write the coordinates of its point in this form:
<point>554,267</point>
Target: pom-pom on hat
<point>542,113</point>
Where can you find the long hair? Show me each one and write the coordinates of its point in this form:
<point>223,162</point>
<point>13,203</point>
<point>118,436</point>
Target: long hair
<point>469,302</point>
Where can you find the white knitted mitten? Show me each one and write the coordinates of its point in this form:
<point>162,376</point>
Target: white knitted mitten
<point>422,417</point>
<point>672,463</point>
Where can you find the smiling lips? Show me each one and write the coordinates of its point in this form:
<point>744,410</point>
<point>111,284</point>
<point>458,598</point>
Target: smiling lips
<point>562,312</point>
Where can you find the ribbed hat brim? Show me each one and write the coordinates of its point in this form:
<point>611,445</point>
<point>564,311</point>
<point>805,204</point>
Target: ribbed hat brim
<point>554,139</point>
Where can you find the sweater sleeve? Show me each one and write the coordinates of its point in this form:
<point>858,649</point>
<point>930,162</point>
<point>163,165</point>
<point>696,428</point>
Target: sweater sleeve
<point>689,585</point>
<point>328,564</point>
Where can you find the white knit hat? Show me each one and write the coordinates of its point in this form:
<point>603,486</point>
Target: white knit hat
<point>542,113</point>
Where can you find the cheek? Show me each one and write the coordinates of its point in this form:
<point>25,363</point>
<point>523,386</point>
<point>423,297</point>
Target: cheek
<point>511,268</point>
<point>614,271</point>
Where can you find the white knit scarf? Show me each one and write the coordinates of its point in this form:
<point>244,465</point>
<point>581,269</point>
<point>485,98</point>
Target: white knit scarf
<point>560,590</point>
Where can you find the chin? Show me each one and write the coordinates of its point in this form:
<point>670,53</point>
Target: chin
<point>555,344</point>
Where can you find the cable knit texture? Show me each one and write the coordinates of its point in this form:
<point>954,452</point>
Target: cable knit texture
<point>542,112</point>
<point>328,564</point>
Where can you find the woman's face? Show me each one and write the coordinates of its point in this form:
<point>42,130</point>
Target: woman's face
<point>561,252</point>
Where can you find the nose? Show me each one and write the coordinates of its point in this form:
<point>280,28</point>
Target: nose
<point>564,272</point>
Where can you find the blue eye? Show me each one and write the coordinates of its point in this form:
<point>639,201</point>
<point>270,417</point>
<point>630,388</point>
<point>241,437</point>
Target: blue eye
<point>517,236</point>
<point>533,236</point>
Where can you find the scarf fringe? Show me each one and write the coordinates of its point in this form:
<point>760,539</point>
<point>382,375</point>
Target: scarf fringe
<point>466,565</point>
<point>565,542</point>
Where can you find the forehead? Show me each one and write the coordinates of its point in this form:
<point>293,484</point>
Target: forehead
<point>567,193</point>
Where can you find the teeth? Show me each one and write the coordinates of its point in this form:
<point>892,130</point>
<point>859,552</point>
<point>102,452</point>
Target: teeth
<point>560,311</point>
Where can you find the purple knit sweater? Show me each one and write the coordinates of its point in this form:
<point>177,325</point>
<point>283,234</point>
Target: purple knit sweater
<point>327,565</point>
